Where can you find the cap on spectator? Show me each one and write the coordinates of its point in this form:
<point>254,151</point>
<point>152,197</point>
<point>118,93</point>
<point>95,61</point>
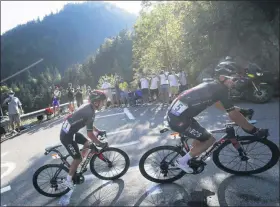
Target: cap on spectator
<point>11,92</point>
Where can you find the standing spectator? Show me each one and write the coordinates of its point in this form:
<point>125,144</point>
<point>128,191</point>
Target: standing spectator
<point>70,94</point>
<point>14,105</point>
<point>145,89</point>
<point>79,96</point>
<point>88,91</point>
<point>164,85</point>
<point>183,81</point>
<point>154,87</point>
<point>106,87</point>
<point>124,91</point>
<point>56,98</point>
<point>118,91</point>
<point>174,84</point>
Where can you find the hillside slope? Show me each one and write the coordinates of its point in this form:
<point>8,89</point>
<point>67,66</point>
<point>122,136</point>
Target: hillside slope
<point>61,39</point>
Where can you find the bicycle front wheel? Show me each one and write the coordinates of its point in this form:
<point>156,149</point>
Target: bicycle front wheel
<point>48,185</point>
<point>111,164</point>
<point>162,168</point>
<point>261,155</point>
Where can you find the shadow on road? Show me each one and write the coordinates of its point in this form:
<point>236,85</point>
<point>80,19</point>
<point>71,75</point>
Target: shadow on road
<point>173,195</point>
<point>234,188</point>
<point>105,195</point>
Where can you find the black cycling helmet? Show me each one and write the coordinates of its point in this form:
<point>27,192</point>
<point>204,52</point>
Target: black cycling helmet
<point>227,67</point>
<point>97,95</point>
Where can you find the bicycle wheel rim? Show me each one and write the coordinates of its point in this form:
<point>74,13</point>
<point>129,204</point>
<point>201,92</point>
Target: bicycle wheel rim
<point>52,186</point>
<point>253,165</point>
<point>107,171</point>
<point>172,173</point>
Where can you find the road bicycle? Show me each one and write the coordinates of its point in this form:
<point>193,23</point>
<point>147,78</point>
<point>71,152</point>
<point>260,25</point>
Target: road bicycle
<point>240,149</point>
<point>104,156</point>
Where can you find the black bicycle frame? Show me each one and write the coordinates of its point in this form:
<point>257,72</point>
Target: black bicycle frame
<point>230,135</point>
<point>93,151</point>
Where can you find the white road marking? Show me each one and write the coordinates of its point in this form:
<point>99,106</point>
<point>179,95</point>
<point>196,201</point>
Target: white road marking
<point>125,144</point>
<point>5,189</point>
<point>10,165</point>
<point>97,117</point>
<point>2,155</point>
<point>120,131</point>
<point>129,115</point>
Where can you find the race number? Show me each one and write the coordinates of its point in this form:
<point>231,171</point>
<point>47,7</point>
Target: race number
<point>66,126</point>
<point>178,108</point>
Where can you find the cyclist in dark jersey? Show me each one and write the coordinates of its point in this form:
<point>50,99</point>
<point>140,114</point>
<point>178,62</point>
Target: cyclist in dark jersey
<point>69,135</point>
<point>190,103</point>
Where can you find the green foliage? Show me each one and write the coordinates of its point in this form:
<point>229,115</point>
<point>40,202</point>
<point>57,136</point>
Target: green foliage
<point>109,78</point>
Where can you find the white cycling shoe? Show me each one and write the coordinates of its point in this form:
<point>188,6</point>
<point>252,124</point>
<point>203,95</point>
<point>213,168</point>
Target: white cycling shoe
<point>68,184</point>
<point>184,167</point>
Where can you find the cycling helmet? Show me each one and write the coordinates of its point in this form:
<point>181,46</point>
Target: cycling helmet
<point>96,95</point>
<point>227,67</point>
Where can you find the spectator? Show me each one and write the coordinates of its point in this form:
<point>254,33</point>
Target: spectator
<point>56,98</point>
<point>154,87</point>
<point>145,89</point>
<point>174,84</point>
<point>124,91</point>
<point>14,105</point>
<point>183,81</point>
<point>164,85</point>
<point>70,94</point>
<point>79,96</point>
<point>106,87</point>
<point>88,91</point>
<point>118,91</point>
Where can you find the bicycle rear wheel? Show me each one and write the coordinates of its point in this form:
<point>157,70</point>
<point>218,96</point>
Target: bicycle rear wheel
<point>166,171</point>
<point>54,184</point>
<point>108,161</point>
<point>252,146</point>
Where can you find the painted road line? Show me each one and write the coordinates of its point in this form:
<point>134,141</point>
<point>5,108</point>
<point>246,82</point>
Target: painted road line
<point>125,144</point>
<point>2,155</point>
<point>129,115</point>
<point>10,165</point>
<point>120,131</point>
<point>110,115</point>
<point>5,189</point>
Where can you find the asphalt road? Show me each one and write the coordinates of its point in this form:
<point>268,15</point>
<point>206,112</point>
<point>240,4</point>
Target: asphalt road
<point>23,155</point>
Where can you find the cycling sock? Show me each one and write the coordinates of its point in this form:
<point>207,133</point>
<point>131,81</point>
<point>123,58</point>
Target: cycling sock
<point>184,160</point>
<point>69,178</point>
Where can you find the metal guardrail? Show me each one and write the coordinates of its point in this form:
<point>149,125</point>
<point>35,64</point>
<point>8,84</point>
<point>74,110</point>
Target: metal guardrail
<point>36,113</point>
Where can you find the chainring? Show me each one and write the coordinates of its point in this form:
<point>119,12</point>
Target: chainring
<point>197,166</point>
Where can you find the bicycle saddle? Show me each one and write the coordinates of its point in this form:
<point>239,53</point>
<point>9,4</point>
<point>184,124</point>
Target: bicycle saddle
<point>53,147</point>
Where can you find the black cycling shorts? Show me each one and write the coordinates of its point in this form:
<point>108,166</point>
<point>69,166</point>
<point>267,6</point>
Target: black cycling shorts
<point>71,141</point>
<point>188,126</point>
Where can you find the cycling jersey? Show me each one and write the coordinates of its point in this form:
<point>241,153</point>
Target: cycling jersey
<point>192,102</point>
<point>84,116</point>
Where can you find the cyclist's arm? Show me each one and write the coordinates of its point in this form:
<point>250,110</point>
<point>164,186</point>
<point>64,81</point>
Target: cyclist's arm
<point>90,129</point>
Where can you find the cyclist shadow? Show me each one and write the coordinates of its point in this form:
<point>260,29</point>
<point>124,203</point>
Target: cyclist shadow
<point>173,195</point>
<point>234,189</point>
<point>105,195</point>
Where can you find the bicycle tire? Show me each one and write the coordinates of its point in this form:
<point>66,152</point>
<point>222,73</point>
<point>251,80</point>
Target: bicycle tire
<point>127,164</point>
<point>274,158</point>
<point>146,155</point>
<point>35,183</point>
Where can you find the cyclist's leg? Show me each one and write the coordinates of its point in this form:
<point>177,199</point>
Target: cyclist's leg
<point>73,149</point>
<point>81,139</point>
<point>202,138</point>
